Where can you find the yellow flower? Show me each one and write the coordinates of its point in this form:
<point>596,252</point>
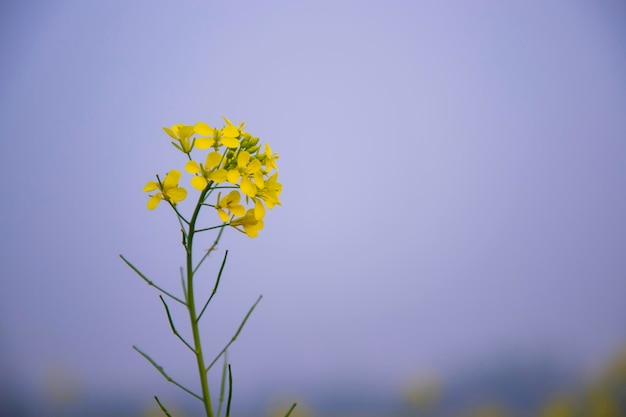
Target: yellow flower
<point>238,127</point>
<point>182,134</point>
<point>270,158</point>
<point>168,190</point>
<point>251,225</point>
<point>269,194</point>
<point>231,203</point>
<point>271,191</point>
<point>208,171</point>
<point>246,168</point>
<point>259,209</point>
<point>227,136</point>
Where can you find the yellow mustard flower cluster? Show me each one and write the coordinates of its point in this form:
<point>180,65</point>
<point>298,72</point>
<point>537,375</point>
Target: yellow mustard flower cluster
<point>234,160</point>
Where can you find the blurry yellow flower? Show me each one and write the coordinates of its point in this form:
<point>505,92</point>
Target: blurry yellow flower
<point>246,168</point>
<point>270,158</point>
<point>204,129</point>
<point>182,134</point>
<point>227,136</point>
<point>559,406</point>
<point>231,203</point>
<point>206,172</point>
<point>271,191</point>
<point>251,225</point>
<point>239,127</point>
<point>244,163</point>
<point>168,190</point>
<point>269,194</point>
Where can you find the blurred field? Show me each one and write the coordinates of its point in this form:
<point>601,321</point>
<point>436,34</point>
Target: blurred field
<point>503,389</point>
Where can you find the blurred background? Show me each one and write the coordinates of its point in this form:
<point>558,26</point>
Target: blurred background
<point>452,236</point>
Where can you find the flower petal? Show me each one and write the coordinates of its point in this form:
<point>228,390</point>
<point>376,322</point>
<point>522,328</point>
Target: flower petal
<point>254,166</point>
<point>203,129</point>
<point>199,182</point>
<point>171,179</point>
<point>270,202</point>
<point>233,197</point>
<point>233,176</point>
<point>154,201</point>
<point>170,132</point>
<point>224,217</point>
<point>213,159</point>
<point>204,143</point>
<point>252,230</point>
<point>258,179</point>
<point>177,194</point>
<point>230,142</point>
<point>243,159</point>
<point>192,167</point>
<point>219,176</point>
<point>237,210</point>
<point>259,210</point>
<point>151,186</point>
<point>247,187</point>
<point>230,131</point>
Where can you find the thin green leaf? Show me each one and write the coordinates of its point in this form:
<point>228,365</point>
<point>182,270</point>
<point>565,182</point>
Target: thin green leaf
<point>152,284</point>
<point>236,334</point>
<point>290,410</point>
<point>162,407</point>
<point>169,318</point>
<point>217,283</point>
<point>165,375</point>
<point>230,391</point>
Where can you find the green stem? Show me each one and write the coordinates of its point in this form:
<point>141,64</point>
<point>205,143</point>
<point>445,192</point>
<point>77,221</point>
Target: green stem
<point>191,307</point>
<point>213,227</point>
<point>180,216</point>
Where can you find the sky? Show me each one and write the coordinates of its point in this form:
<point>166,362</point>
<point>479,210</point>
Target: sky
<point>453,173</point>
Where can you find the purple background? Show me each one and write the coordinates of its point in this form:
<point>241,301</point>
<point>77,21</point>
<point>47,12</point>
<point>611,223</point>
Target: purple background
<point>454,188</point>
